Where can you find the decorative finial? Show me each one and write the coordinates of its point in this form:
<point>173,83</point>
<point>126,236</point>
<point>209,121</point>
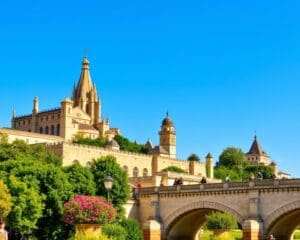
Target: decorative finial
<point>13,113</point>
<point>255,134</point>
<point>167,113</point>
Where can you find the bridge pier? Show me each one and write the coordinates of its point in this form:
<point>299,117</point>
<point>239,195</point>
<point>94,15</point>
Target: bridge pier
<point>252,230</point>
<point>152,230</point>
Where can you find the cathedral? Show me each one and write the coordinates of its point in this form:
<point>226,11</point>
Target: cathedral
<point>79,115</point>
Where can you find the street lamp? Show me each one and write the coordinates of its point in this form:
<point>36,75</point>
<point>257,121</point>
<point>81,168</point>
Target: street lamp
<point>108,183</point>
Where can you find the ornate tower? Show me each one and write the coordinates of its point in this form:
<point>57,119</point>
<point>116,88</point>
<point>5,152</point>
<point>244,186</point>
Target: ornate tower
<point>85,94</point>
<point>167,136</point>
<point>35,112</point>
<point>256,155</point>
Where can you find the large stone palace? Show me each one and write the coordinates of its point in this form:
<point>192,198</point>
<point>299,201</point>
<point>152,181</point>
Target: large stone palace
<point>81,115</point>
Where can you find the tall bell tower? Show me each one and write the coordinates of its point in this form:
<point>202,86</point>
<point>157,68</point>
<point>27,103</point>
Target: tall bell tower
<point>167,136</point>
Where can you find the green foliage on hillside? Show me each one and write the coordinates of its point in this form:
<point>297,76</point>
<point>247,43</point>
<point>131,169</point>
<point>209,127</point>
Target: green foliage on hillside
<point>173,169</point>
<point>98,142</point>
<point>233,163</point>
<point>127,145</point>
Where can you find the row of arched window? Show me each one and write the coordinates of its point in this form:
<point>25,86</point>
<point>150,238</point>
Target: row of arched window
<point>135,172</point>
<point>52,130</point>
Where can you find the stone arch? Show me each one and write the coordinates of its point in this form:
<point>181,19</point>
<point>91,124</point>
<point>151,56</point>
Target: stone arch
<point>125,167</point>
<point>275,215</point>
<point>135,172</point>
<point>200,205</point>
<point>145,172</point>
<point>88,164</point>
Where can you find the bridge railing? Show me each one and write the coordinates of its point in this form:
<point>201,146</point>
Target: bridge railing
<point>267,183</point>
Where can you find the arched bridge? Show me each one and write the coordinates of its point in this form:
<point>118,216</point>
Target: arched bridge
<point>261,207</point>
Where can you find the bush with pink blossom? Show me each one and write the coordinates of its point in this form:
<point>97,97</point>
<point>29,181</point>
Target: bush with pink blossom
<point>88,209</point>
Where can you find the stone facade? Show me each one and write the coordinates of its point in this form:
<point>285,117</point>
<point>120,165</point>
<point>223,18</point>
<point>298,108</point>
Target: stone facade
<point>261,207</point>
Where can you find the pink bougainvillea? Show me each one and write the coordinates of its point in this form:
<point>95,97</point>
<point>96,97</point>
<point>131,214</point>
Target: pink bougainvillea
<point>88,209</point>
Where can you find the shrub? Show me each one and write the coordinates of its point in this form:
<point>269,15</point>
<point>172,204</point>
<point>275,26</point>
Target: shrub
<point>84,237</point>
<point>115,230</point>
<point>173,169</point>
<point>219,220</point>
<point>133,229</point>
<point>88,209</point>
<point>194,157</point>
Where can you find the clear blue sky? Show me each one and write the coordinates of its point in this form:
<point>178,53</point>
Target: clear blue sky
<point>223,69</point>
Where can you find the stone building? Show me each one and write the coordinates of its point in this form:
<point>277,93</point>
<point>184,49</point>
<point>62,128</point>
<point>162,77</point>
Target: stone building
<point>79,115</point>
<point>82,115</point>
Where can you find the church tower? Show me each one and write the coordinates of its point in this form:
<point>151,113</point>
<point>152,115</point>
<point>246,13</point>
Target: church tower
<point>167,136</point>
<point>85,94</point>
<point>256,155</point>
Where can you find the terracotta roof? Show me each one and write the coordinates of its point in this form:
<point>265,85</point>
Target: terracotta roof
<point>256,148</point>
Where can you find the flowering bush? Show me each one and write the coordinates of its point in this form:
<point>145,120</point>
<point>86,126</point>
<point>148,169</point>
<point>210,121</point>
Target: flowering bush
<point>88,209</point>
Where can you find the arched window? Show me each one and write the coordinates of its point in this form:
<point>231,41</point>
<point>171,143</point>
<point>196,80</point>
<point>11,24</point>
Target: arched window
<point>125,168</point>
<point>58,129</point>
<point>145,172</point>
<point>52,129</point>
<point>47,130</point>
<point>76,161</point>
<point>135,172</point>
<point>41,129</point>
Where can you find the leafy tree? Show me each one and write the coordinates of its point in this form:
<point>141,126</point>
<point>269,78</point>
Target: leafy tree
<point>220,220</point>
<point>173,169</point>
<point>129,146</point>
<point>105,166</point>
<point>81,179</point>
<point>133,229</point>
<point>5,200</point>
<point>27,207</point>
<point>232,157</point>
<point>222,172</point>
<point>99,142</point>
<point>267,171</point>
<point>194,157</point>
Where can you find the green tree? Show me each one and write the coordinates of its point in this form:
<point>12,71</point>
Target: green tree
<point>232,157</point>
<point>27,207</point>
<point>81,179</point>
<point>173,169</point>
<point>127,145</point>
<point>222,172</point>
<point>105,166</point>
<point>5,200</point>
<point>194,157</point>
<point>220,220</point>
<point>267,171</point>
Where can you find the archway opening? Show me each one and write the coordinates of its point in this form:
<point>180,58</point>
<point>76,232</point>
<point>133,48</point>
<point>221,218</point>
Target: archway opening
<point>192,226</point>
<point>286,226</point>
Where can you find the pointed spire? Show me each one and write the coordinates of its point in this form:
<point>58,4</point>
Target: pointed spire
<point>256,148</point>
<point>85,84</point>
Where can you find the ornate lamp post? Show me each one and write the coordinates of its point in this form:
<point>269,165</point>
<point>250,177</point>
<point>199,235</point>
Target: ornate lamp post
<point>108,183</point>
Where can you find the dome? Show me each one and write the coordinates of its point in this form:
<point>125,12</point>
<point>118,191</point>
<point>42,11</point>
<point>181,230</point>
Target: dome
<point>167,121</point>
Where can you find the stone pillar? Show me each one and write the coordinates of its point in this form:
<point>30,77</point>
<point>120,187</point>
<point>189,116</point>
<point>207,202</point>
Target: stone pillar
<point>192,167</point>
<point>251,230</point>
<point>152,230</point>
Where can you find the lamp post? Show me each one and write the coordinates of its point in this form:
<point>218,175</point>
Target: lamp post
<point>108,183</point>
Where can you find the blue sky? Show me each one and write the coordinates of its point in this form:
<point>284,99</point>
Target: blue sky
<point>223,69</point>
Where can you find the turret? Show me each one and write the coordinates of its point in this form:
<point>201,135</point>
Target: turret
<point>209,163</point>
<point>167,136</point>
<point>35,105</point>
<point>35,111</point>
<point>67,129</point>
